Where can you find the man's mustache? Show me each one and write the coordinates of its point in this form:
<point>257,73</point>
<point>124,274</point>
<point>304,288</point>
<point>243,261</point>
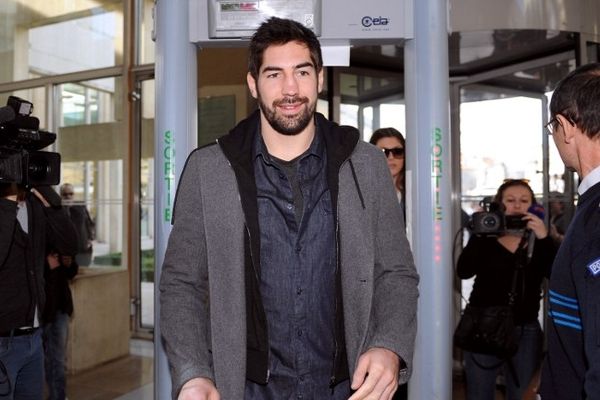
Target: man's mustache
<point>290,100</point>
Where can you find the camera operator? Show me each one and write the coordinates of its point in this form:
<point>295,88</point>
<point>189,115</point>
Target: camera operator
<point>30,222</point>
<point>493,258</point>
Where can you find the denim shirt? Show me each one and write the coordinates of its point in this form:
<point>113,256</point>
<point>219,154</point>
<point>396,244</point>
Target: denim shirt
<point>297,281</point>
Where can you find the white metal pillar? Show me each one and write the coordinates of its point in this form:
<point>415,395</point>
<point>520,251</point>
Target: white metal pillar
<point>429,200</point>
<point>175,136</point>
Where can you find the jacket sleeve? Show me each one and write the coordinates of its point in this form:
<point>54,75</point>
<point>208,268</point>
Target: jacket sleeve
<point>588,279</point>
<point>61,234</point>
<point>393,322</point>
<point>544,253</point>
<point>184,313</point>
<point>8,219</point>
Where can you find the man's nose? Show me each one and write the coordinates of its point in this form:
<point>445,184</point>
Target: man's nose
<point>290,85</point>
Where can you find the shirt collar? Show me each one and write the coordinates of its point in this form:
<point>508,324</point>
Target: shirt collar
<point>316,148</point>
<point>590,180</point>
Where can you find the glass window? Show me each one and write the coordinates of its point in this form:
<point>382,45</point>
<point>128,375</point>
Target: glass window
<point>147,206</point>
<point>492,152</point>
<point>146,44</point>
<point>92,140</point>
<point>60,36</point>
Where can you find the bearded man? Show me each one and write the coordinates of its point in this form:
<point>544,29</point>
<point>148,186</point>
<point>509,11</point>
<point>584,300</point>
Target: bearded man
<point>287,273</point>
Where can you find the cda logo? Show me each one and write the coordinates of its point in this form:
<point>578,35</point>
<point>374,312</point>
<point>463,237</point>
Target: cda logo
<point>374,21</point>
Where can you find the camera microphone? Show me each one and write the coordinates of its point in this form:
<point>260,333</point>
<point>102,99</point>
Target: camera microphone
<point>7,114</point>
<point>537,210</point>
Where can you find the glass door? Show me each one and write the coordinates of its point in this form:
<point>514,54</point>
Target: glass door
<point>143,212</point>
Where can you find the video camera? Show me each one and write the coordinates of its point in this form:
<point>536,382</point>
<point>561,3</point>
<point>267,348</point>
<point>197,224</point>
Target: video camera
<point>493,222</point>
<point>20,140</point>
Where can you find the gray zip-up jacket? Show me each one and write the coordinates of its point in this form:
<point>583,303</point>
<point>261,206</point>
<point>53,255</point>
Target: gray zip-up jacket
<point>211,317</point>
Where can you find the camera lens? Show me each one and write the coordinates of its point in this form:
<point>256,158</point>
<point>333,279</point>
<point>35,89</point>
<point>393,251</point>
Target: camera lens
<point>490,221</point>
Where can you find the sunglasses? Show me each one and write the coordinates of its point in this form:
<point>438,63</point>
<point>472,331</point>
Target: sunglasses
<point>512,180</point>
<point>397,152</point>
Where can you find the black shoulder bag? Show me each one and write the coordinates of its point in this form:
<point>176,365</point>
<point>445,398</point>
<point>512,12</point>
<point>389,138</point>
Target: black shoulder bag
<point>491,330</point>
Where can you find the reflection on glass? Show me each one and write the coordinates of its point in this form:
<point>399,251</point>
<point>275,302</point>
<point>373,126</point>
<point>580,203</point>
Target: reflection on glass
<point>91,142</point>
<point>147,206</point>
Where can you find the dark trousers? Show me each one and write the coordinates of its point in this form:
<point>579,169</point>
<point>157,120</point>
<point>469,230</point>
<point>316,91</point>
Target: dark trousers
<point>23,360</point>
<point>55,347</point>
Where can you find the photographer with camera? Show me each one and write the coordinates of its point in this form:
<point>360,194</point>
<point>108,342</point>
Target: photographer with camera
<point>29,224</point>
<point>509,253</point>
<point>31,221</point>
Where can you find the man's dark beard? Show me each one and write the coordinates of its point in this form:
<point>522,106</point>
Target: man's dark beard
<point>284,125</point>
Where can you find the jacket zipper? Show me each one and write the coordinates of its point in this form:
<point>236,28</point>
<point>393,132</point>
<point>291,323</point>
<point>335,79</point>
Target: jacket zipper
<point>337,268</point>
<point>250,241</point>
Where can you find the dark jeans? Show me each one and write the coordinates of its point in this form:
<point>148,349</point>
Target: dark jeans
<point>55,344</point>
<point>23,358</point>
<point>481,381</point>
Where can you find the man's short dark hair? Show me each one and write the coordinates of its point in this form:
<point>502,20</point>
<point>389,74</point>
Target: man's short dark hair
<point>279,31</point>
<point>577,98</point>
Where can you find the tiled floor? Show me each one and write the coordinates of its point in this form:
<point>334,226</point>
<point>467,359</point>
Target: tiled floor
<point>114,380</point>
<point>131,378</point>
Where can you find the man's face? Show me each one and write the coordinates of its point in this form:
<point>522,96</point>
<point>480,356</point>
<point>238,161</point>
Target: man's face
<point>287,87</point>
<point>67,194</point>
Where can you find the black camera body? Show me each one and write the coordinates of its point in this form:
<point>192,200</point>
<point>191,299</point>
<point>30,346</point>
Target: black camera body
<point>493,222</point>
<point>21,161</point>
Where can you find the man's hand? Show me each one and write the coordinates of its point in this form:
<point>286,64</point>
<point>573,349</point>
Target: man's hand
<point>41,197</point>
<point>376,375</point>
<point>199,389</point>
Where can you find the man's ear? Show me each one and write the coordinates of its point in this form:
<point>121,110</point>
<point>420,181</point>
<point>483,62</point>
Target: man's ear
<point>251,85</point>
<point>320,81</point>
<point>569,128</point>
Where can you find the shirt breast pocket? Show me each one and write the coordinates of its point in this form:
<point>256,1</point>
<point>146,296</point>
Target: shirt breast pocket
<point>324,204</point>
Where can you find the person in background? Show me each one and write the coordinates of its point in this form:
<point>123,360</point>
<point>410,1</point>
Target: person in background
<point>31,221</point>
<point>60,269</point>
<point>492,261</point>
<point>287,274</point>
<point>558,219</point>
<point>572,366</point>
<point>83,223</point>
<point>392,143</point>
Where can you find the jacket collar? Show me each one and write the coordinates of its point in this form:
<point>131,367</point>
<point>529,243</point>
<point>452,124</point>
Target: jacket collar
<point>237,145</point>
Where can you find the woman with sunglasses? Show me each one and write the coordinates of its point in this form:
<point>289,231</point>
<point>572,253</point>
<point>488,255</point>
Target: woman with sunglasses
<point>391,142</point>
<point>493,260</point>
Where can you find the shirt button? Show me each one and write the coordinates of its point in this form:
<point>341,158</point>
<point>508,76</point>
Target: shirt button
<point>299,332</point>
<point>299,291</point>
<point>290,206</point>
<point>282,176</point>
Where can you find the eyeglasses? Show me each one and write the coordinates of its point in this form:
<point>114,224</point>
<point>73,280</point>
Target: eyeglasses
<point>551,125</point>
<point>397,152</point>
<point>68,194</point>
